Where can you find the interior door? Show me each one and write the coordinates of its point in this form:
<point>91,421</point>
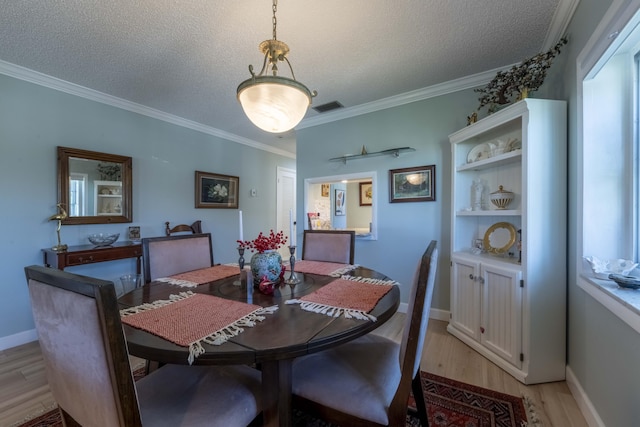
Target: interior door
<point>286,202</point>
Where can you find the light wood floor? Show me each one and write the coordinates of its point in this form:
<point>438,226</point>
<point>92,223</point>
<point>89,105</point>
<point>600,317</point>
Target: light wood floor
<point>24,390</point>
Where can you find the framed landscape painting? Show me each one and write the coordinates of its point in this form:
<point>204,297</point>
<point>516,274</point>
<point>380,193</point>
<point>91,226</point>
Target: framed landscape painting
<point>417,184</point>
<point>216,191</point>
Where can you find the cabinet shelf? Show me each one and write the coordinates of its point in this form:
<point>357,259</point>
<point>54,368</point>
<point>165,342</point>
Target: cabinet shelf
<point>503,159</point>
<point>390,152</point>
<point>494,212</point>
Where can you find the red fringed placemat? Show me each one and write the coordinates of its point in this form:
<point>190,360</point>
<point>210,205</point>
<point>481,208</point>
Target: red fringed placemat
<point>321,267</point>
<point>191,279</point>
<point>351,297</point>
<point>190,319</point>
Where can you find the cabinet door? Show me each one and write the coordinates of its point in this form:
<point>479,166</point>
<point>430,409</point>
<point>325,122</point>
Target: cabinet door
<point>501,324</point>
<point>465,297</point>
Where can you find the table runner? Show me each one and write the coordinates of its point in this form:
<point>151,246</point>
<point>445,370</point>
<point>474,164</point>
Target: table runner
<point>321,267</point>
<point>189,319</point>
<point>192,279</point>
<point>352,297</point>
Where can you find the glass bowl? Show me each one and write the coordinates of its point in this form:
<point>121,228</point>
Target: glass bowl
<point>103,239</point>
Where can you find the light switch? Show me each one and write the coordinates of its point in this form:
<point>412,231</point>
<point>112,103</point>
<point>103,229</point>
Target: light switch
<point>254,192</point>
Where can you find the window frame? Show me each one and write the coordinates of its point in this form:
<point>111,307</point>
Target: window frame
<point>621,20</point>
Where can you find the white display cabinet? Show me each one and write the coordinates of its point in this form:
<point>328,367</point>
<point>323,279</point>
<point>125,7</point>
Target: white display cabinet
<point>107,198</point>
<point>508,299</point>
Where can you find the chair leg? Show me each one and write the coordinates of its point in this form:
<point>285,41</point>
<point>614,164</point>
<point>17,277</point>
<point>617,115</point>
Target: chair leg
<point>418,395</point>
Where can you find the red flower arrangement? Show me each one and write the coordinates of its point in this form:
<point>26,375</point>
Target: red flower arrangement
<point>264,243</point>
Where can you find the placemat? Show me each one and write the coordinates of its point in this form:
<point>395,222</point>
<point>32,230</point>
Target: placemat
<point>189,319</point>
<point>351,297</point>
<point>191,279</point>
<point>321,267</point>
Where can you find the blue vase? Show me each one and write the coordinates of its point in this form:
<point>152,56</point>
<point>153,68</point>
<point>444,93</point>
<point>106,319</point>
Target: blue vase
<point>269,264</point>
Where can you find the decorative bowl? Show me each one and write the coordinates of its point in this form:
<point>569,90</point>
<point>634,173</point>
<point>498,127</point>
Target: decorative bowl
<point>630,282</point>
<point>602,268</point>
<point>103,239</point>
<point>501,198</point>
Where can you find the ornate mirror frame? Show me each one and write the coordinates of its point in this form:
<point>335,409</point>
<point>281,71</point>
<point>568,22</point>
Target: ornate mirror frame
<point>64,178</point>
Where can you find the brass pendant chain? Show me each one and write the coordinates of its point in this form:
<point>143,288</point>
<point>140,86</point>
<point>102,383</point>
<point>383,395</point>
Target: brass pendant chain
<point>275,20</point>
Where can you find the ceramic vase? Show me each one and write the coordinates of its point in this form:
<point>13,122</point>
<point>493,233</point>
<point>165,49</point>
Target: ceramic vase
<point>267,263</point>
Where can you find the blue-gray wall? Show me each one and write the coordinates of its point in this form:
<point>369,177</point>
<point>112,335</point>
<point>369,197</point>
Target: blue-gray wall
<point>34,120</point>
<point>404,229</point>
<point>601,347</point>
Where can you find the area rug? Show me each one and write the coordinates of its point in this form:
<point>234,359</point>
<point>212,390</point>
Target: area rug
<point>449,403</point>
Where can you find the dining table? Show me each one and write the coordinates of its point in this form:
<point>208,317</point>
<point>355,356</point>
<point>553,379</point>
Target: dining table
<point>288,331</point>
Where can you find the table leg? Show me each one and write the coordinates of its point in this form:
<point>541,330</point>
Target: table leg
<point>276,393</point>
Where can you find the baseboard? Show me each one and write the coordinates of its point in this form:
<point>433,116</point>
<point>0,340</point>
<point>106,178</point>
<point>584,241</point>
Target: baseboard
<point>18,339</point>
<point>434,313</point>
<point>585,405</point>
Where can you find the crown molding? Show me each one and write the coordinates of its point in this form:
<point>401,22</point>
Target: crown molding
<point>35,77</point>
<point>451,86</point>
<point>559,23</point>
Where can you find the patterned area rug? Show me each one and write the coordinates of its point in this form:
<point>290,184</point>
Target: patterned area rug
<point>449,403</point>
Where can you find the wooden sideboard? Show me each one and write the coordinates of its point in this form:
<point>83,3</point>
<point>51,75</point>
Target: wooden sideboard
<point>89,254</point>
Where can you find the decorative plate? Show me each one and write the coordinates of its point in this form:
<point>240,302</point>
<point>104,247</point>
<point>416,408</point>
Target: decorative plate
<point>623,281</point>
<point>479,152</point>
<point>499,238</point>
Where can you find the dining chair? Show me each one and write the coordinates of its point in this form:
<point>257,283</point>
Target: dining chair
<point>367,381</point>
<point>168,255</point>
<point>88,371</point>
<point>195,228</point>
<point>329,245</point>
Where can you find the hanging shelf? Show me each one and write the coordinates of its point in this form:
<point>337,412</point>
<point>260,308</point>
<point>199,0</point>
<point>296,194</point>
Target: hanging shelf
<point>391,151</point>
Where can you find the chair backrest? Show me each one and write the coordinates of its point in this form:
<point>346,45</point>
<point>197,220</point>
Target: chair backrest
<point>83,347</point>
<point>195,228</point>
<point>415,327</point>
<point>329,245</point>
<point>168,255</point>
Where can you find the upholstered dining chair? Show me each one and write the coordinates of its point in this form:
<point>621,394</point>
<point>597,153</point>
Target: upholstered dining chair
<point>329,245</point>
<point>366,382</point>
<point>168,255</point>
<point>88,370</point>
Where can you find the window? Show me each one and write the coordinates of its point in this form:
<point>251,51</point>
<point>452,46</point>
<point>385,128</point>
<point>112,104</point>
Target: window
<point>607,153</point>
<point>77,194</point>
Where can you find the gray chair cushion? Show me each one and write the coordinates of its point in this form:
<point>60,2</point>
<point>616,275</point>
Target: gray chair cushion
<point>180,395</point>
<point>364,375</point>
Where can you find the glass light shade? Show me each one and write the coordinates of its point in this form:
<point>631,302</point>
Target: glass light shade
<point>274,104</point>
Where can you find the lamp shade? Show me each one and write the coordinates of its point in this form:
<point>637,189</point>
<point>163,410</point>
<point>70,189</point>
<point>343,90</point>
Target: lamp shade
<point>272,103</point>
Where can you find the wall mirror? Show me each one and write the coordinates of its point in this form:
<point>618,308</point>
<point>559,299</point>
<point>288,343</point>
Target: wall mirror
<point>342,202</point>
<point>93,187</point>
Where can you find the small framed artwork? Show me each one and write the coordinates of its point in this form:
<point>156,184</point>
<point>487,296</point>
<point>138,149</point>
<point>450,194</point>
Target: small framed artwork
<point>416,184</point>
<point>339,202</point>
<point>324,190</point>
<point>366,193</point>
<point>134,233</point>
<point>216,191</point>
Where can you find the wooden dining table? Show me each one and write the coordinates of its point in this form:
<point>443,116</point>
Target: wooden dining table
<point>272,344</point>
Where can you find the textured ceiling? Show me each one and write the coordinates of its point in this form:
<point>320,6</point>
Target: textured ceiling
<point>186,57</point>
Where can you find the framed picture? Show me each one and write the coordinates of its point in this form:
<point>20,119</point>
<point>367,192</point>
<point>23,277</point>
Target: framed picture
<point>324,190</point>
<point>416,184</point>
<point>340,203</point>
<point>134,233</point>
<point>216,191</point>
<point>366,193</point>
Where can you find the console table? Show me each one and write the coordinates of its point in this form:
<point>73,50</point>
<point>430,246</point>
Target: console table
<point>89,254</point>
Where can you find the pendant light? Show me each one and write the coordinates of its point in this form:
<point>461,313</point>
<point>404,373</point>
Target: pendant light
<point>274,103</point>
